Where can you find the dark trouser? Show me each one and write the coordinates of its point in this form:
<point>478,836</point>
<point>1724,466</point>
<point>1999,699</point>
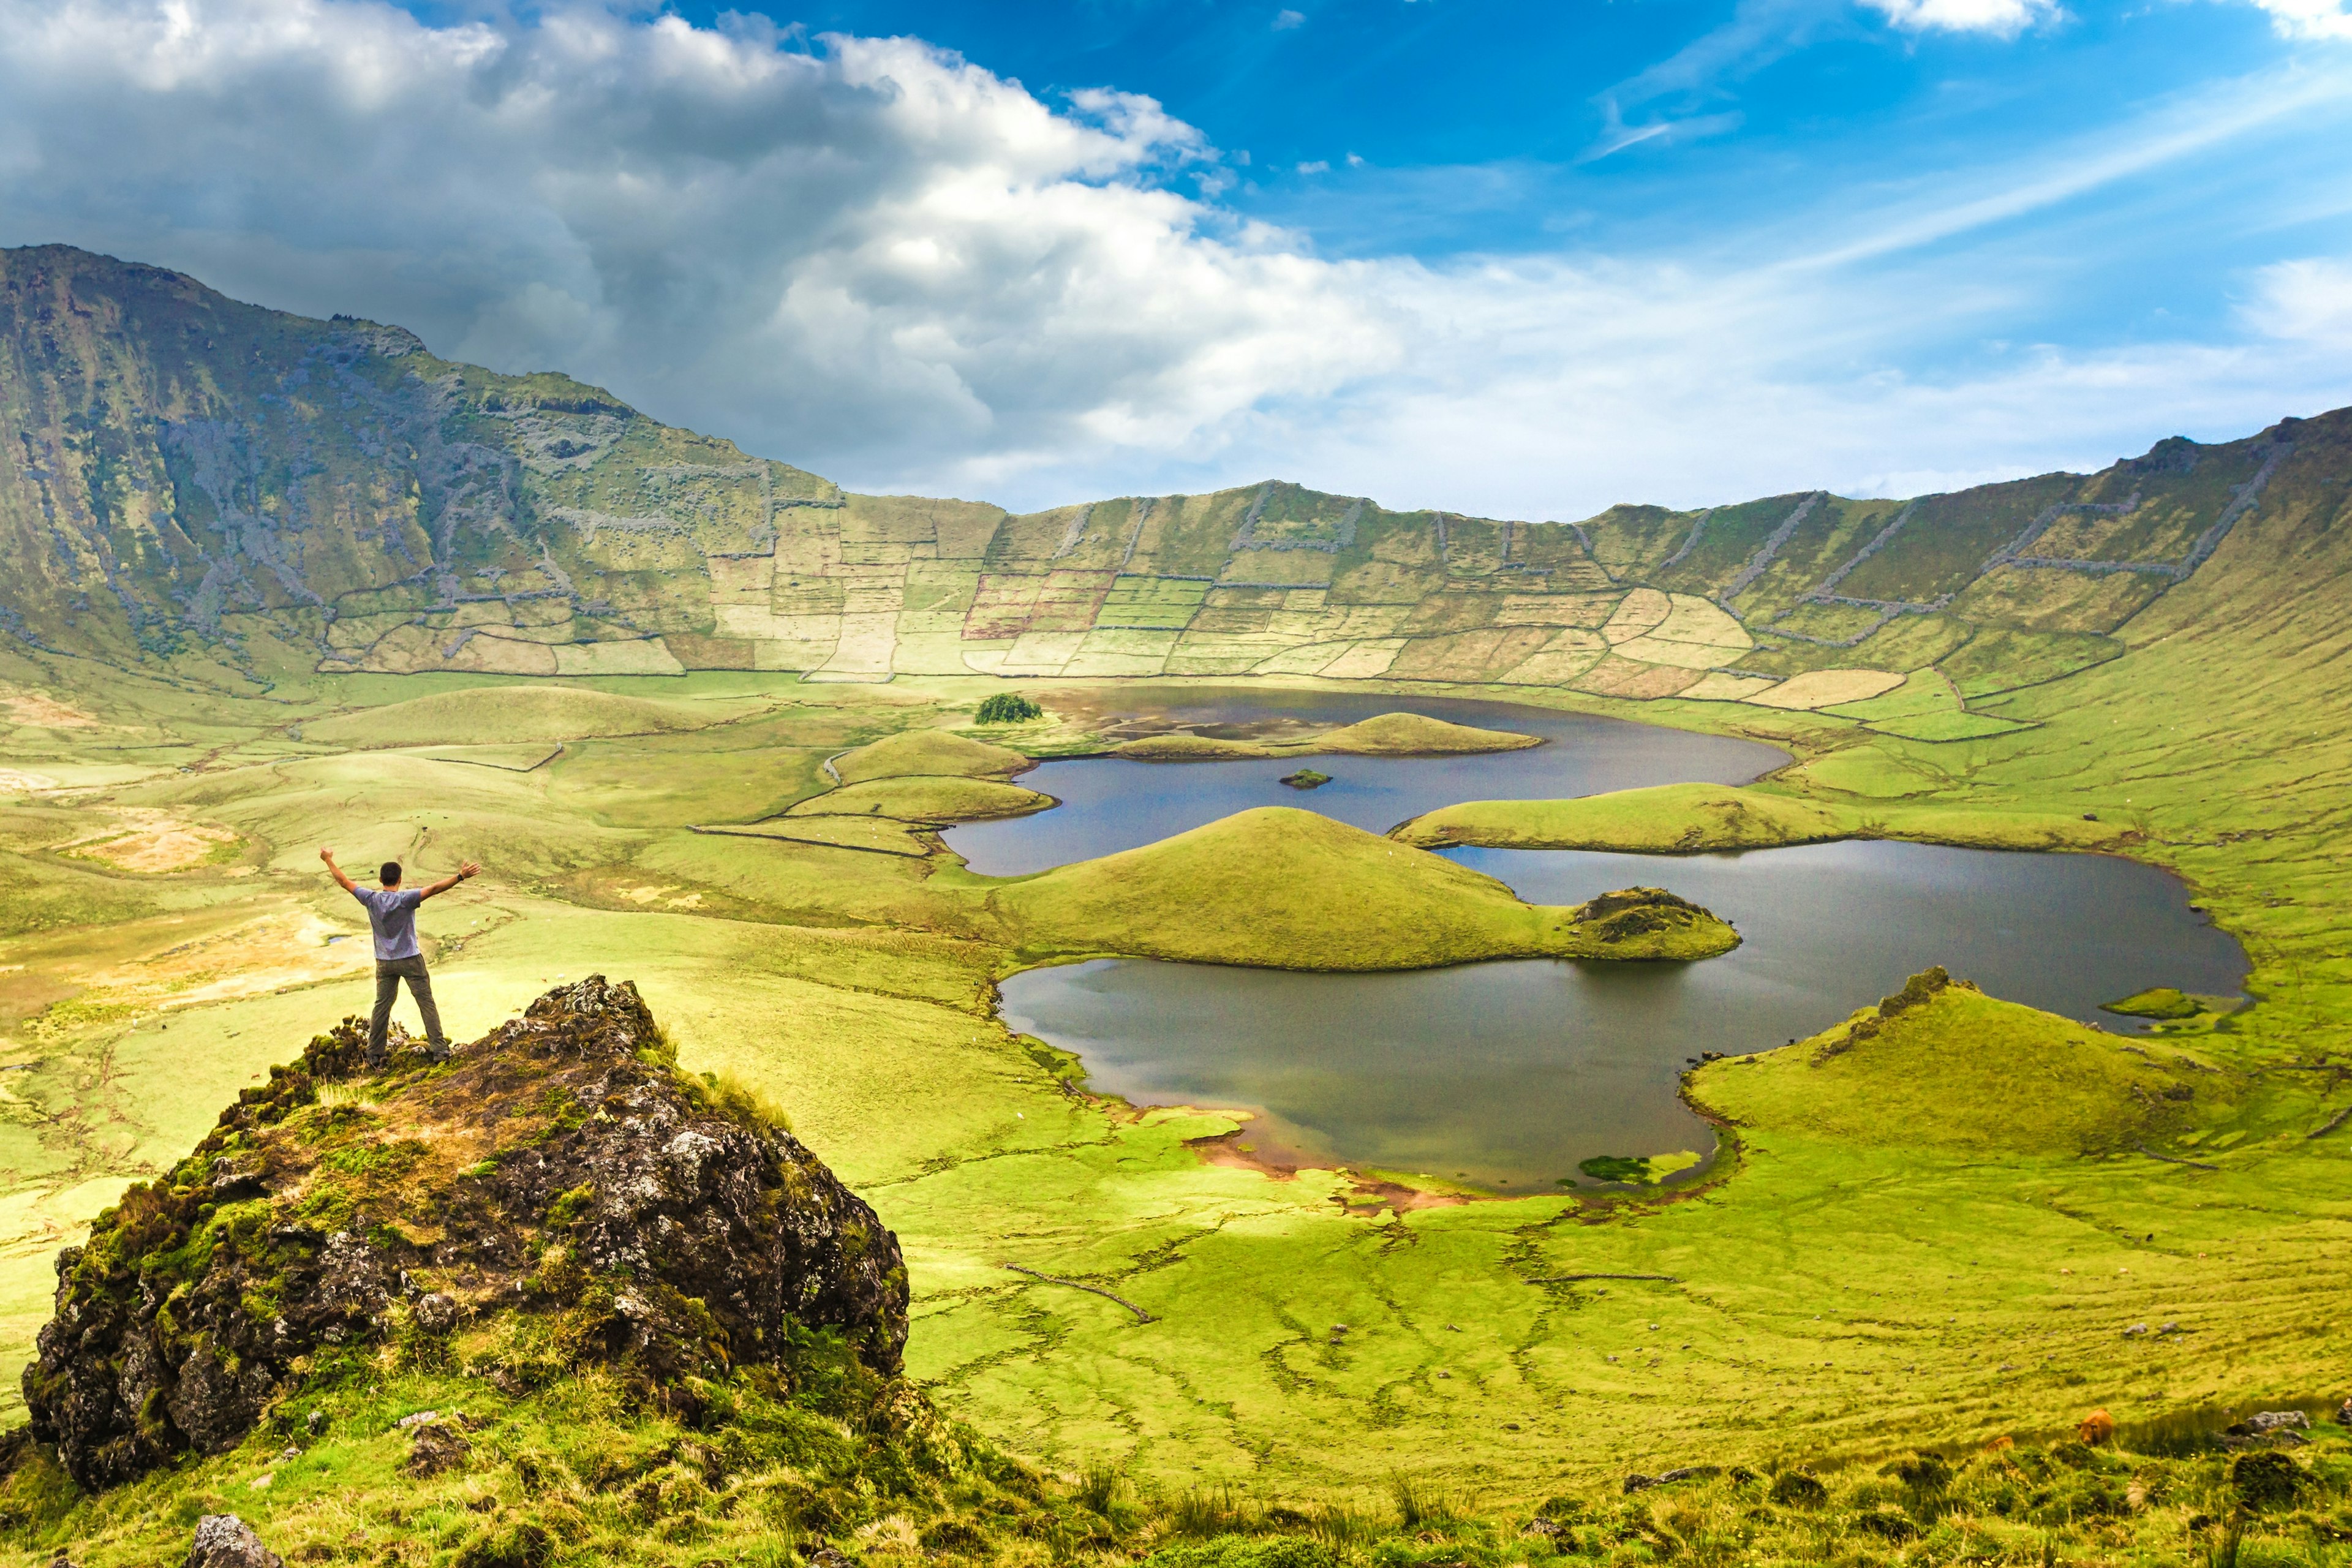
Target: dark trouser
<point>389,973</point>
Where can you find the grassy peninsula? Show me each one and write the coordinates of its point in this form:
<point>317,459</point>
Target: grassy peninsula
<point>1384,735</point>
<point>1283,888</point>
<point>1698,818</point>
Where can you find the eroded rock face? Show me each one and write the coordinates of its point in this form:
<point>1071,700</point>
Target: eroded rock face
<point>561,1165</point>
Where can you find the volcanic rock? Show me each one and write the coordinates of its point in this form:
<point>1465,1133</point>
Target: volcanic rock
<point>225,1540</point>
<point>561,1165</point>
<point>2264,1421</point>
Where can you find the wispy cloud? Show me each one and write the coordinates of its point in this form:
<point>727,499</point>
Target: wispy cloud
<point>2193,123</point>
<point>2000,18</point>
<point>1616,136</point>
<point>1760,32</point>
<point>1284,21</point>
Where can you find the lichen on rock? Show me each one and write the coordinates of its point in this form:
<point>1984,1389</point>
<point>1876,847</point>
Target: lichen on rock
<point>560,1178</point>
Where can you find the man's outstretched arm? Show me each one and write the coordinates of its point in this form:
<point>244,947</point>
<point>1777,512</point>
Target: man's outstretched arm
<point>446,883</point>
<point>328,857</point>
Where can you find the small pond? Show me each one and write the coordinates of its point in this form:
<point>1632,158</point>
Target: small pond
<point>1508,1075</point>
<point>1109,804</point>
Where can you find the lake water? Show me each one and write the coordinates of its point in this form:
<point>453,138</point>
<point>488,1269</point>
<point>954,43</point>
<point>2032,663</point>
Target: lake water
<point>1109,804</point>
<point>1510,1074</point>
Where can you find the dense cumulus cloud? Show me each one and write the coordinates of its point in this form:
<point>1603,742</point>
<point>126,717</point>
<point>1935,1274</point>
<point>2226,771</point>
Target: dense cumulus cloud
<point>886,263</point>
<point>861,253</point>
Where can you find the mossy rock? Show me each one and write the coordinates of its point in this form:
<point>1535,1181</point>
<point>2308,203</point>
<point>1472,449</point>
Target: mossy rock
<point>2268,1480</point>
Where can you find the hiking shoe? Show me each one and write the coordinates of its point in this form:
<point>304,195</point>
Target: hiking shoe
<point>439,1052</point>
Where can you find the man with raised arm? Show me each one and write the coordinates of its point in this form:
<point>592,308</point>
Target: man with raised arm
<point>391,915</point>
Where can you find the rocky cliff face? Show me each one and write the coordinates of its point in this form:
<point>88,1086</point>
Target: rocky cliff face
<point>559,1177</point>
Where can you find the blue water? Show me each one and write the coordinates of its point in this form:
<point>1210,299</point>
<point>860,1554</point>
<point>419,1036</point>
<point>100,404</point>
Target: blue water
<point>1510,1074</point>
<point>1112,803</point>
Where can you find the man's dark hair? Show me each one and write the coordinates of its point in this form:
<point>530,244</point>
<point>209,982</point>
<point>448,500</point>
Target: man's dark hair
<point>388,873</point>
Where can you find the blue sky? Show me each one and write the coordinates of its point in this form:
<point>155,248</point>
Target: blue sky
<point>1657,125</point>
<point>1504,257</point>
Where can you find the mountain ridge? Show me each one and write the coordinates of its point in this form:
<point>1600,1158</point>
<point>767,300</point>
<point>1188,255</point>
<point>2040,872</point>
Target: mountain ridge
<point>243,495</point>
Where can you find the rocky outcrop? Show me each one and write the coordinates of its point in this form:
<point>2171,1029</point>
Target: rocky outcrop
<point>562,1167</point>
<point>225,1540</point>
<point>1917,991</point>
<point>1650,923</point>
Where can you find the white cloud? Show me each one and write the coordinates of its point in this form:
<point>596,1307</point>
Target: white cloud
<point>1285,20</point>
<point>2305,301</point>
<point>2309,18</point>
<point>904,271</point>
<point>2002,19</point>
<point>880,257</point>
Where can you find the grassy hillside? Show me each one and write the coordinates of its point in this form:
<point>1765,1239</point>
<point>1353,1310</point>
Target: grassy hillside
<point>1385,735</point>
<point>499,715</point>
<point>926,798</point>
<point>1417,735</point>
<point>1940,1064</point>
<point>1280,888</point>
<point>1698,818</point>
<point>926,751</point>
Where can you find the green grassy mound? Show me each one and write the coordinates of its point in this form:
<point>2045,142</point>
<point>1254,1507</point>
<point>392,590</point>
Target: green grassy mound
<point>926,798</point>
<point>1282,889</point>
<point>935,751</point>
<point>2155,1002</point>
<point>503,715</point>
<point>1384,735</point>
<point>1941,1065</point>
<point>1688,817</point>
<point>1413,735</point>
<point>1193,749</point>
<point>1700,818</point>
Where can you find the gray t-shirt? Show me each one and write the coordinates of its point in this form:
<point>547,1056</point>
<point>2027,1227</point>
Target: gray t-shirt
<point>393,912</point>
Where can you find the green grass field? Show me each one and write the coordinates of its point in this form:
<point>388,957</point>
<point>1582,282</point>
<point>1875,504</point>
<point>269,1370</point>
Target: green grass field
<point>1843,1292</point>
